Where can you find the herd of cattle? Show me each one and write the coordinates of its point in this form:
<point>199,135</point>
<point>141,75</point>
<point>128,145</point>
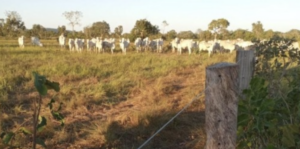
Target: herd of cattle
<point>98,45</point>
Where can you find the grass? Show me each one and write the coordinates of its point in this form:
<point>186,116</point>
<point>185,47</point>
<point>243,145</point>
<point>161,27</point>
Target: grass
<point>109,101</point>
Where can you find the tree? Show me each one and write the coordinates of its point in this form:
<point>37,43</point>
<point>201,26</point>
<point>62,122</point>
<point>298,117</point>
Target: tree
<point>186,35</point>
<point>13,25</point>
<point>218,26</point>
<point>100,29</point>
<point>257,29</point>
<point>293,33</point>
<point>164,24</point>
<point>239,33</point>
<point>73,17</point>
<point>143,28</point>
<point>37,30</point>
<point>171,35</point>
<point>269,34</point>
<point>87,31</point>
<point>61,30</point>
<point>205,35</point>
<point>119,30</point>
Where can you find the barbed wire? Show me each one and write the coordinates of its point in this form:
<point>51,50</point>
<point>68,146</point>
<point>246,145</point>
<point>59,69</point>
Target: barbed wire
<point>166,124</point>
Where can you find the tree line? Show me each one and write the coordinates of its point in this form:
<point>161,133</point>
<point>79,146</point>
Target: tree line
<point>13,26</point>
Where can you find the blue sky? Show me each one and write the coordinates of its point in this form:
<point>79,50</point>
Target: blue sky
<point>182,15</point>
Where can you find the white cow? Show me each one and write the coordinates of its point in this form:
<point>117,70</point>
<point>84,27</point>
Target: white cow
<point>124,44</point>
<point>109,44</point>
<point>186,43</point>
<point>71,44</point>
<point>61,40</point>
<point>36,41</point>
<point>157,44</point>
<point>209,46</point>
<point>244,44</point>
<point>138,44</point>
<point>21,41</point>
<point>227,45</point>
<point>174,44</point>
<point>146,43</point>
<point>215,46</point>
<point>99,45</point>
<point>79,44</point>
<point>91,44</point>
<point>204,45</point>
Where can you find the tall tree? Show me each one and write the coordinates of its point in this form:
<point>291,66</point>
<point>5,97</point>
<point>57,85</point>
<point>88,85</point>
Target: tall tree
<point>164,24</point>
<point>218,26</point>
<point>37,30</point>
<point>258,30</point>
<point>143,28</point>
<point>73,17</point>
<point>171,34</point>
<point>13,24</point>
<point>119,30</point>
<point>100,29</point>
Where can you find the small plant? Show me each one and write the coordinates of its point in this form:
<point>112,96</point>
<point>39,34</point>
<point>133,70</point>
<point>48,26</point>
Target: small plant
<point>269,116</point>
<point>42,85</point>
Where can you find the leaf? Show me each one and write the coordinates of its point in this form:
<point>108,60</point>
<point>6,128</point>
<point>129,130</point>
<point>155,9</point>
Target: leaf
<point>25,131</point>
<point>58,116</point>
<point>60,105</point>
<point>50,103</point>
<point>40,142</point>
<point>42,123</point>
<point>7,137</point>
<point>39,83</point>
<point>52,85</point>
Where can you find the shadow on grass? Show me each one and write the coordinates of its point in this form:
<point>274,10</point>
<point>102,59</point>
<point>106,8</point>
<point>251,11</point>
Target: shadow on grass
<point>185,132</point>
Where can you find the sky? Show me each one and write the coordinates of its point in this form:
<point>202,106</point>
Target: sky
<point>181,15</point>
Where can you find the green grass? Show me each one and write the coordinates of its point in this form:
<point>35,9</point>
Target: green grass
<point>110,101</point>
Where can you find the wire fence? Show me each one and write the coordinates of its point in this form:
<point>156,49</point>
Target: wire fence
<point>166,124</point>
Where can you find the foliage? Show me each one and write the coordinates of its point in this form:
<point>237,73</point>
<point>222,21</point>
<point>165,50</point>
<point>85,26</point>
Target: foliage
<point>119,30</point>
<point>164,24</point>
<point>218,26</point>
<point>99,29</point>
<point>269,116</point>
<point>61,29</point>
<point>205,35</point>
<point>143,28</point>
<point>243,34</point>
<point>42,85</point>
<point>73,17</point>
<point>258,30</point>
<point>13,26</point>
<point>186,35</point>
<point>171,35</point>
<point>269,34</point>
<point>37,30</point>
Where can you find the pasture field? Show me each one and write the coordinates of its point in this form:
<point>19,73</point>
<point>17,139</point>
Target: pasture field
<point>109,101</point>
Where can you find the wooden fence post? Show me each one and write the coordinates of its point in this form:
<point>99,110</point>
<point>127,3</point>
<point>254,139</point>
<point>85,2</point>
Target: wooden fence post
<point>246,61</point>
<point>221,99</point>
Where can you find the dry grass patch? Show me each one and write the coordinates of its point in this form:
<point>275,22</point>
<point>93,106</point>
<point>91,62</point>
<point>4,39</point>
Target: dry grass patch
<point>110,101</point>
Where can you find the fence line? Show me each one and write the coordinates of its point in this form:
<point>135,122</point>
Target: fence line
<point>187,105</point>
